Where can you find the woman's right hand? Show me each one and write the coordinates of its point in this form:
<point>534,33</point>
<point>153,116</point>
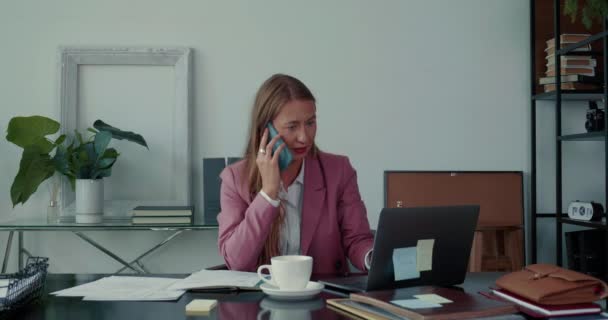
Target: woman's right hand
<point>268,164</point>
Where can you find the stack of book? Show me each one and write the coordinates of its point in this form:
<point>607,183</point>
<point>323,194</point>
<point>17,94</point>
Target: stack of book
<point>163,214</point>
<point>577,71</point>
<point>420,303</point>
<point>564,311</point>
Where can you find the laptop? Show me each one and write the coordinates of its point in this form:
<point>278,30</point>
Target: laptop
<point>446,233</point>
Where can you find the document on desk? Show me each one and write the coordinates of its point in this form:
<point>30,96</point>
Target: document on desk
<point>219,279</point>
<point>125,288</point>
<point>4,287</point>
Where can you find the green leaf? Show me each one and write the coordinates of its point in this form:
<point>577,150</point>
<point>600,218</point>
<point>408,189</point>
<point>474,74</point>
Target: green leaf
<point>570,8</point>
<point>34,168</point>
<point>587,17</point>
<point>78,136</point>
<point>60,160</point>
<point>92,130</point>
<point>119,134</point>
<point>82,156</point>
<point>102,139</point>
<point>591,9</point>
<point>60,140</point>
<point>26,131</point>
<point>103,173</point>
<point>91,153</point>
<point>110,153</point>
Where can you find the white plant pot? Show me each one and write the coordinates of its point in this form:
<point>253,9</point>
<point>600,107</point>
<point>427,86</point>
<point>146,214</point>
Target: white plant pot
<point>89,201</point>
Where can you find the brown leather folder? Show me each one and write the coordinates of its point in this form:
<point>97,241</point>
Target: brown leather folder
<point>463,306</point>
<point>551,285</point>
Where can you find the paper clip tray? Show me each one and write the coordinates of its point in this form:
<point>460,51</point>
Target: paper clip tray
<point>25,285</point>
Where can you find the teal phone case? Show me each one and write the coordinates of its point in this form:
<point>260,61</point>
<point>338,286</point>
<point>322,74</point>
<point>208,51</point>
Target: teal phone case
<point>285,158</point>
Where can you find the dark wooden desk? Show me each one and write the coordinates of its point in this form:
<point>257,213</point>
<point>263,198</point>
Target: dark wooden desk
<point>230,306</point>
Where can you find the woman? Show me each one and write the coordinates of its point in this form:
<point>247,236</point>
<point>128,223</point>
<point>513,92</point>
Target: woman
<point>312,207</point>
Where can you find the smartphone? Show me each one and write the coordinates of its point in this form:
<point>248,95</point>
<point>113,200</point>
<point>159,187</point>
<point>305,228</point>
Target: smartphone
<point>285,158</point>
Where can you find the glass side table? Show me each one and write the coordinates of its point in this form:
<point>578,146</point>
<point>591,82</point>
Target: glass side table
<point>36,225</point>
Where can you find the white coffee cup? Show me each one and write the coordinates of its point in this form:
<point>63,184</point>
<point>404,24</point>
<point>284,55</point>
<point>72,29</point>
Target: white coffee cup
<point>290,273</point>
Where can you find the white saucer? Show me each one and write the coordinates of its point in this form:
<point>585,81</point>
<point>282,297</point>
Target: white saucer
<point>312,289</point>
<point>307,305</point>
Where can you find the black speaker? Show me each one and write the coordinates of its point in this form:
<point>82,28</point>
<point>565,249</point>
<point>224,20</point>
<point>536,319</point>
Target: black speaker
<point>212,167</point>
<point>586,251</point>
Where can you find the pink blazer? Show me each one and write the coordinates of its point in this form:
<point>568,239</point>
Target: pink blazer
<point>334,220</point>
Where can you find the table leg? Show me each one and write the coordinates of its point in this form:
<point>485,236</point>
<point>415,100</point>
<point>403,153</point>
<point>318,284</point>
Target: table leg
<point>7,251</point>
<point>21,250</point>
<point>156,247</point>
<point>106,251</point>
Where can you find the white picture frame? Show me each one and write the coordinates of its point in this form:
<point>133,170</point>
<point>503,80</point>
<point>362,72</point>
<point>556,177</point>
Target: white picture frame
<point>70,58</point>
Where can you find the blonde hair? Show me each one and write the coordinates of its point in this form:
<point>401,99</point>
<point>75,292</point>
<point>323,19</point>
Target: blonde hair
<point>274,93</point>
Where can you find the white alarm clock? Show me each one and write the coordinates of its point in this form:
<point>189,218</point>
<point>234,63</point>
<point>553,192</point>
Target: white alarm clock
<point>582,210</point>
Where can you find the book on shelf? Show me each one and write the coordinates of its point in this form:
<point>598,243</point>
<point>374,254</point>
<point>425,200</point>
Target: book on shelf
<point>571,86</point>
<point>585,71</point>
<point>151,211</point>
<point>567,57</point>
<point>162,220</point>
<point>568,38</point>
<point>460,305</point>
<point>570,78</point>
<point>219,280</point>
<point>573,62</point>
<point>551,50</point>
<point>538,310</point>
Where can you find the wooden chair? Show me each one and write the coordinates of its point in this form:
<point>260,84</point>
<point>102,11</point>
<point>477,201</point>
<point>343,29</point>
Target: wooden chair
<point>497,249</point>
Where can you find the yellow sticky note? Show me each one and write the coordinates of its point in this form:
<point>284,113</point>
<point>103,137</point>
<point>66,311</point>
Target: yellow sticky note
<point>424,254</point>
<point>433,298</point>
<point>200,307</point>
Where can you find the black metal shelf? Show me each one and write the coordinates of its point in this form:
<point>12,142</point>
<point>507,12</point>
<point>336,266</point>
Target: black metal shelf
<point>559,97</point>
<point>550,215</point>
<point>589,136</point>
<point>583,53</point>
<point>571,95</point>
<point>590,224</point>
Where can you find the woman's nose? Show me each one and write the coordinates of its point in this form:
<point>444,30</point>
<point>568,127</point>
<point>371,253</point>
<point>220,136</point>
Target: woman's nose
<point>302,136</point>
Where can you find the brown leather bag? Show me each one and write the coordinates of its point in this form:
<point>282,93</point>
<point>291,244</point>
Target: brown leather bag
<point>551,285</point>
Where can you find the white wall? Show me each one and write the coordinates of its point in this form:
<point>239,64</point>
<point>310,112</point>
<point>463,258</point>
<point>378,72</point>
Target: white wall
<point>410,85</point>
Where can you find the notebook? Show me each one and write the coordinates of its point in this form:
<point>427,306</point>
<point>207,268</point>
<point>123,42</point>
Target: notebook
<point>535,309</point>
<point>218,280</point>
<point>462,305</point>
<point>352,308</point>
<point>163,211</point>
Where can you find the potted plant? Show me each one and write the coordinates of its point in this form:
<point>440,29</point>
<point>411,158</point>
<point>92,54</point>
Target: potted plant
<point>591,9</point>
<point>85,162</point>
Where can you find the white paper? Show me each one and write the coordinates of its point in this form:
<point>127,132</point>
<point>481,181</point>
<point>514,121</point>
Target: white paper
<point>116,288</point>
<point>431,297</point>
<point>217,278</point>
<point>404,263</point>
<point>416,304</point>
<point>4,287</point>
<point>424,259</point>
